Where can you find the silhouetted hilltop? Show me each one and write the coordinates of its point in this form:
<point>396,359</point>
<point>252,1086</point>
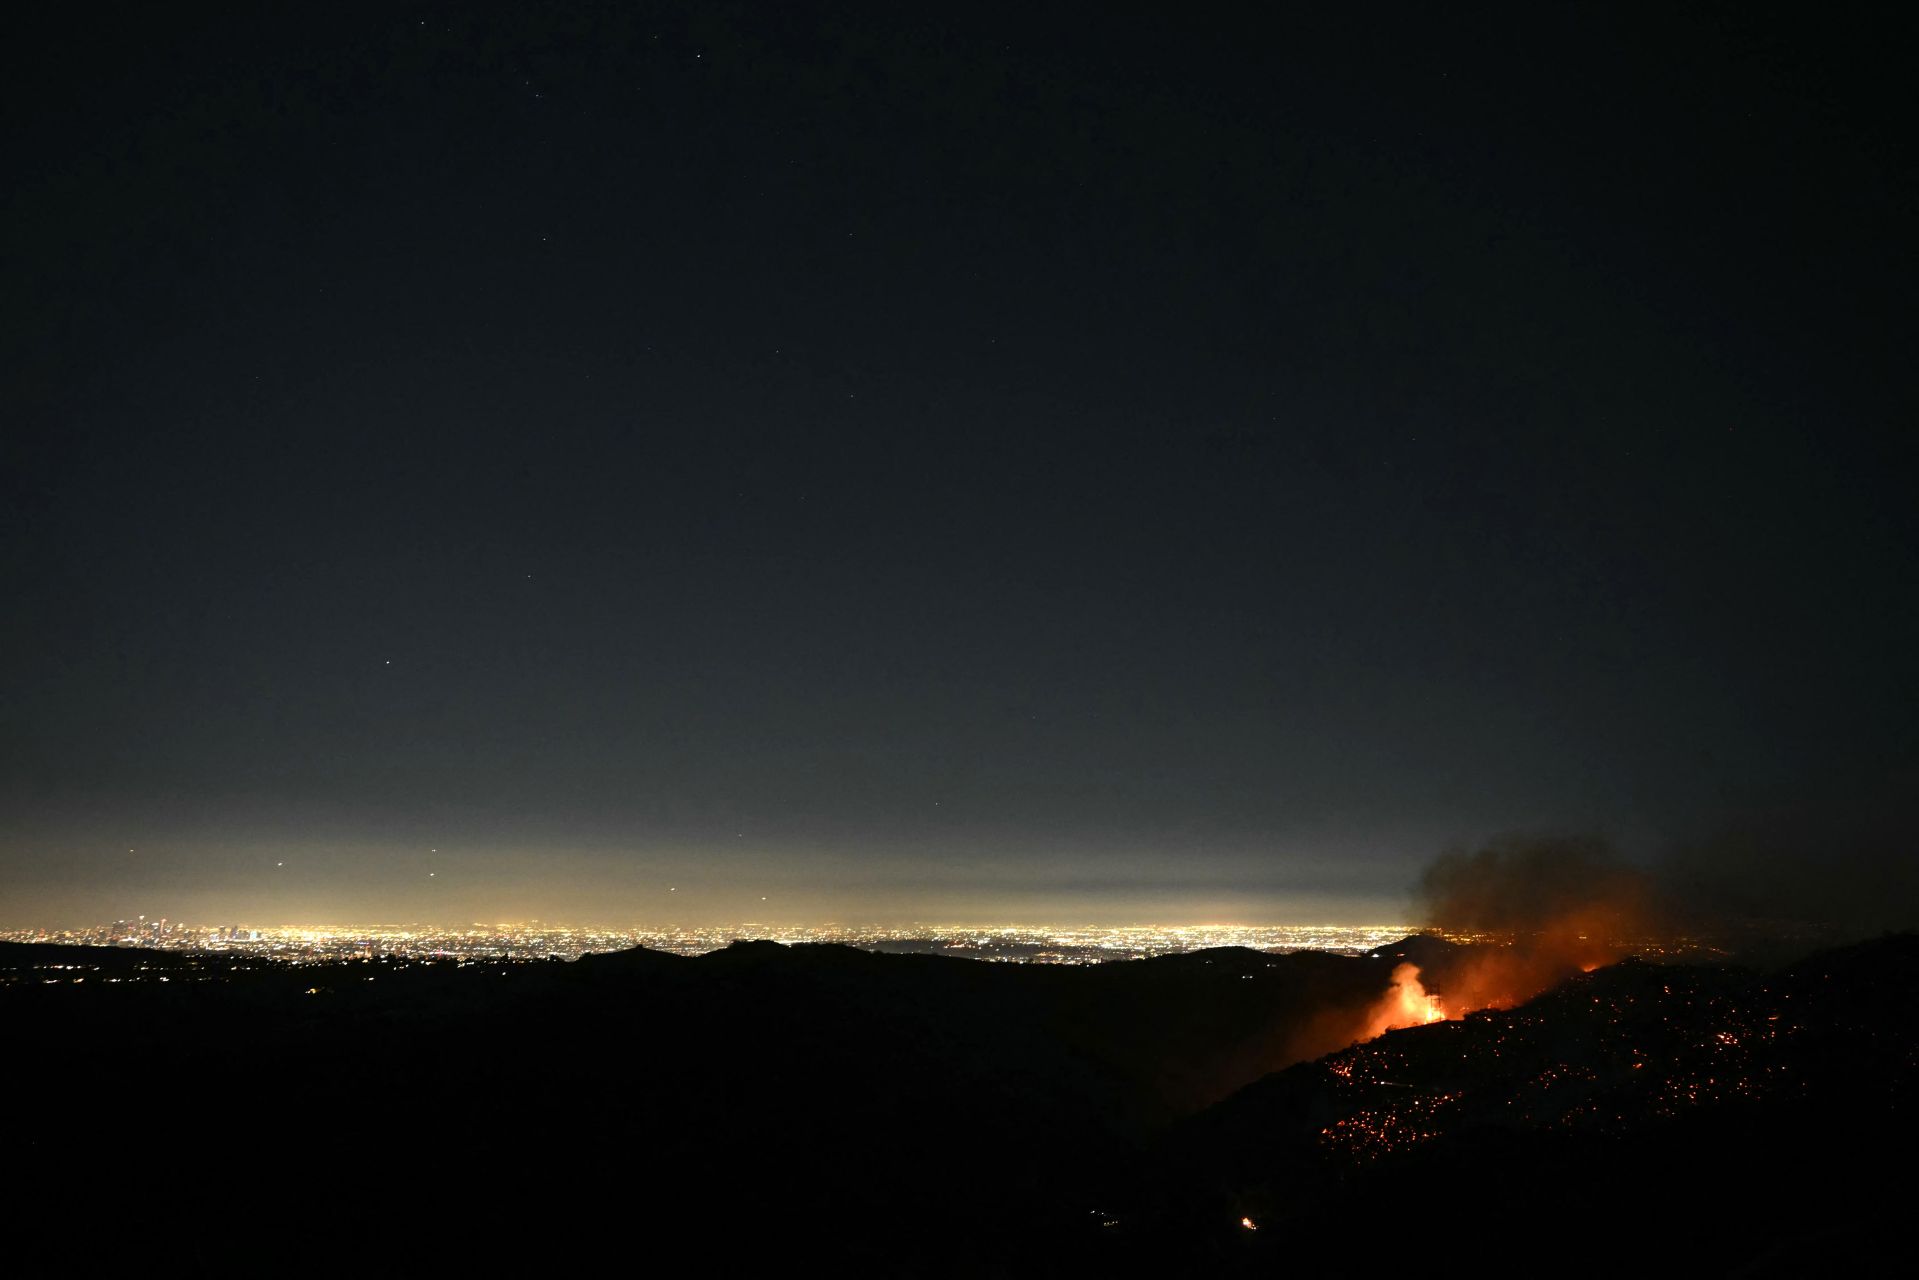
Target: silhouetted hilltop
<point>1423,949</point>
<point>632,958</point>
<point>935,1092</point>
<point>1714,1102</point>
<point>930,1114</point>
<point>16,956</point>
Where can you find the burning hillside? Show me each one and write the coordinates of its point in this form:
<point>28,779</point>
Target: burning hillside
<point>1725,1111</point>
<point>1540,909</point>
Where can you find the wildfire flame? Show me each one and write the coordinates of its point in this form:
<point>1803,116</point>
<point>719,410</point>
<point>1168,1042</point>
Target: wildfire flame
<point>1495,980</point>
<point>1406,1003</point>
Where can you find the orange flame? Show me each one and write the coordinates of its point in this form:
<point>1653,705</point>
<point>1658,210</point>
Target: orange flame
<point>1406,1003</point>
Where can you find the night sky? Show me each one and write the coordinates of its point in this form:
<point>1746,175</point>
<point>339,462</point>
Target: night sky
<point>487,461</point>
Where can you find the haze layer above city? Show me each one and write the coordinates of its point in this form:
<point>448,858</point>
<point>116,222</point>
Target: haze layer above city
<point>677,466</point>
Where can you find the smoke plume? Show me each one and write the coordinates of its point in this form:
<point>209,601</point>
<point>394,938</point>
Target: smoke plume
<point>1534,909</point>
<point>1539,889</point>
<point>1543,907</point>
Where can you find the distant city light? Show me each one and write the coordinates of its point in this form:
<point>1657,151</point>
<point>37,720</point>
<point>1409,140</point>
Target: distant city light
<point>539,940</point>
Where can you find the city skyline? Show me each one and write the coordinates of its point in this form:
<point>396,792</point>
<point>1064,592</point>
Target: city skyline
<point>689,905</point>
<point>542,940</point>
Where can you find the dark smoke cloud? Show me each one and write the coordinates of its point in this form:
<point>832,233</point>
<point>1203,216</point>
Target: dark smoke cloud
<point>1525,886</point>
<point>1554,904</point>
<point>1541,907</point>
<point>1764,887</point>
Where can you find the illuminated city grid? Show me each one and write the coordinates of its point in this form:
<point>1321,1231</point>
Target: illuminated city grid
<point>535,939</point>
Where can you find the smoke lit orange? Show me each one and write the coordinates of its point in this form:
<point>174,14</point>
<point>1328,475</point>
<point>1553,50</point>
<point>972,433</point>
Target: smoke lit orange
<point>1406,1003</point>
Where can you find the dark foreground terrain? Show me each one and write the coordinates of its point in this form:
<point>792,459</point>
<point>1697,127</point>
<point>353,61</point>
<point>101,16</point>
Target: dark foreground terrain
<point>824,1107</point>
